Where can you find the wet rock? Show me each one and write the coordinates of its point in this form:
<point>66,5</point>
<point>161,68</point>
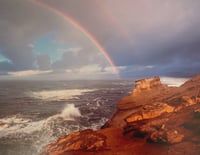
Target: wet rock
<point>86,140</point>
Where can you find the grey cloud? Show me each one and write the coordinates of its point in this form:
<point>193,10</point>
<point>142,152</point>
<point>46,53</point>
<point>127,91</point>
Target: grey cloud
<point>43,62</point>
<point>6,66</point>
<point>135,33</point>
<point>22,22</point>
<point>85,56</point>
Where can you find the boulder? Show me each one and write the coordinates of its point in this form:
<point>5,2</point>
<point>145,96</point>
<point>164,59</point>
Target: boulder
<point>86,140</point>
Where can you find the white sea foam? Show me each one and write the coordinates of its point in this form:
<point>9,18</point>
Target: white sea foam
<point>43,131</point>
<point>12,121</point>
<point>70,111</point>
<point>56,95</point>
<point>15,124</point>
<point>97,126</point>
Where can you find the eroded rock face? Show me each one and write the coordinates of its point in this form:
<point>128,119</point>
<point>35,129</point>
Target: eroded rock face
<point>150,111</point>
<point>146,84</point>
<point>187,101</point>
<point>166,136</point>
<point>86,140</point>
<point>197,113</point>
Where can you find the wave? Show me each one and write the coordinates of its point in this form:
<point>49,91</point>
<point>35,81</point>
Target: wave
<point>43,131</point>
<point>56,95</point>
<point>18,124</point>
<point>12,121</point>
<point>70,112</point>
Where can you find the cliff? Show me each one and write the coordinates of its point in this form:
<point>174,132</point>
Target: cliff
<point>154,119</point>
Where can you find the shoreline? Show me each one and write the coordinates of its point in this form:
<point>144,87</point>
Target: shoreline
<point>153,119</point>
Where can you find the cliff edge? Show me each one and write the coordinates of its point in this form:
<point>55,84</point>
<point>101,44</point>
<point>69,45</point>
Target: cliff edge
<point>153,119</point>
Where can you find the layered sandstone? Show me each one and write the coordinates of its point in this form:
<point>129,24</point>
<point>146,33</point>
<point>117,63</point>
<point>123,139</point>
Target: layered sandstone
<point>146,84</point>
<point>146,122</point>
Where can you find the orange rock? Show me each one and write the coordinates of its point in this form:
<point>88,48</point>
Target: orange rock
<point>86,140</point>
<point>150,111</point>
<point>197,113</point>
<point>165,136</point>
<point>146,84</point>
<point>186,101</point>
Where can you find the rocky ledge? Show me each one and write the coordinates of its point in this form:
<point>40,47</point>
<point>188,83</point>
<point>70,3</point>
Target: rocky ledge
<point>154,119</point>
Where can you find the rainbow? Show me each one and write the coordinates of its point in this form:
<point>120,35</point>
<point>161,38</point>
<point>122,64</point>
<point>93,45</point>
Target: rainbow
<point>82,29</point>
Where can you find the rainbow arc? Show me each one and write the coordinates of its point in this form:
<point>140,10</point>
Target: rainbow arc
<point>77,25</point>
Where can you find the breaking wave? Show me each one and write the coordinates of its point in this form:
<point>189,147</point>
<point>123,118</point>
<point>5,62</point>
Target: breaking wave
<point>70,112</point>
<point>18,124</point>
<point>42,131</point>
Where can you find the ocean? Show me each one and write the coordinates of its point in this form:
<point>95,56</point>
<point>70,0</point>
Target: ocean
<point>34,113</point>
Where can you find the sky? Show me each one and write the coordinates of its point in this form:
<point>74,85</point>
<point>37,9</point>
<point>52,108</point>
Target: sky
<point>142,38</point>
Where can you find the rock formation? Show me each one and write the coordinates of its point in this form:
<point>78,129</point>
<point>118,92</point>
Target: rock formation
<point>87,140</point>
<point>154,119</point>
<point>146,84</point>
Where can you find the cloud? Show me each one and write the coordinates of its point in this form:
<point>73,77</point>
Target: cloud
<point>111,69</point>
<point>43,62</point>
<point>94,71</point>
<point>147,33</point>
<point>6,66</point>
<point>28,73</point>
<point>74,50</point>
<point>22,24</point>
<point>84,57</point>
<point>31,45</point>
<point>89,69</point>
<point>149,37</point>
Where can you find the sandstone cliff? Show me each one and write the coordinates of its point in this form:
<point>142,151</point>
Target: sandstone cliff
<point>154,119</point>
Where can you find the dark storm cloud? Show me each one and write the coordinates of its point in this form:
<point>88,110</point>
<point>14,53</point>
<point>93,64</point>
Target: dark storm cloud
<point>21,23</point>
<point>144,32</point>
<point>137,34</point>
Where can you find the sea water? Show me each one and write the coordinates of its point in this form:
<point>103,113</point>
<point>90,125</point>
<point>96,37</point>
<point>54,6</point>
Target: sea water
<point>34,113</point>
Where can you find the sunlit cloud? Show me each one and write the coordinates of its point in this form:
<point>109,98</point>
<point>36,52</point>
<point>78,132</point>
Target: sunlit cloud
<point>29,73</point>
<point>89,69</point>
<point>95,69</point>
